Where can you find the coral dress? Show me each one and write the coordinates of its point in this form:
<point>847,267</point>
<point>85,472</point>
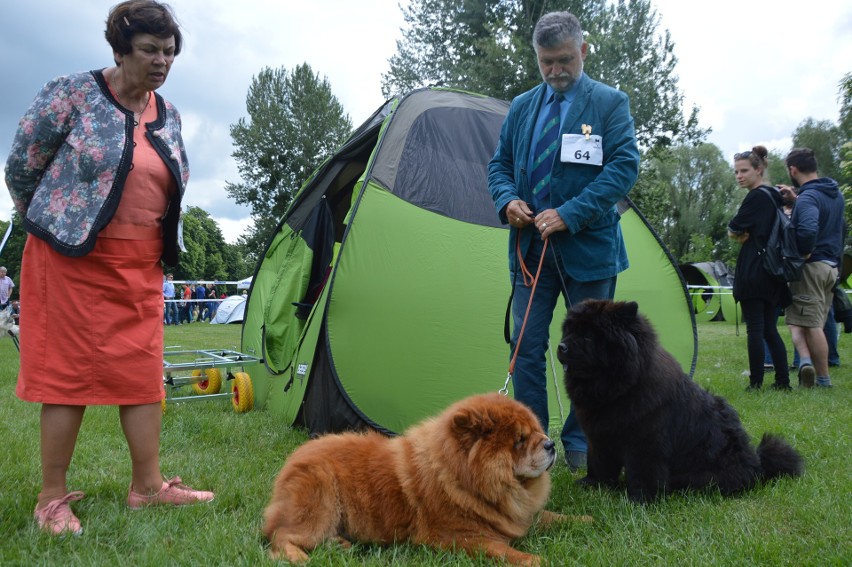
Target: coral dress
<point>92,327</point>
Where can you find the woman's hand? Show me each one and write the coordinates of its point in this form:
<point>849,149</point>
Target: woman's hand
<point>740,237</point>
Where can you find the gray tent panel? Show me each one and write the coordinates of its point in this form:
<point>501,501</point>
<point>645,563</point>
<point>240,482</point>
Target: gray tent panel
<point>439,143</point>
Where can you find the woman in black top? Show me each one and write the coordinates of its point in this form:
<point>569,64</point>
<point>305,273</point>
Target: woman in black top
<point>759,293</point>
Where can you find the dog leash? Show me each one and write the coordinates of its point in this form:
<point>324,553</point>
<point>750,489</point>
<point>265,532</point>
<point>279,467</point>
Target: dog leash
<point>529,281</point>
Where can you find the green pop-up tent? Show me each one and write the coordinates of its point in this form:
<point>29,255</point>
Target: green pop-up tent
<point>709,286</point>
<point>381,296</point>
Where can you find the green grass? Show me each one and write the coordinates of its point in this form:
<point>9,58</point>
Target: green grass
<point>804,521</point>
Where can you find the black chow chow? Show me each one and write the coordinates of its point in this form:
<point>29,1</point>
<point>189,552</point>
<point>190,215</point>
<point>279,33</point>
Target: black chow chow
<point>642,413</point>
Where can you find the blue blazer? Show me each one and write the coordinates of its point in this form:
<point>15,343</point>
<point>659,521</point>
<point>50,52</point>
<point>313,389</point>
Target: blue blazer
<point>583,195</point>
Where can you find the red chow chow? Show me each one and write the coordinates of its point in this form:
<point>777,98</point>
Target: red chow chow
<point>474,478</point>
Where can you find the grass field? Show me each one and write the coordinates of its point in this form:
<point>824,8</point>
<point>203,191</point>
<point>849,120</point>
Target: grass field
<point>805,521</point>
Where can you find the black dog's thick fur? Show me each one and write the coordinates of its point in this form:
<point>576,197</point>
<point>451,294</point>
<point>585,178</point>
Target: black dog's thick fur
<point>642,413</point>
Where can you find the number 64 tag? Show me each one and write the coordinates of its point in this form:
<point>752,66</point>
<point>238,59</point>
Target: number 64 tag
<point>577,149</point>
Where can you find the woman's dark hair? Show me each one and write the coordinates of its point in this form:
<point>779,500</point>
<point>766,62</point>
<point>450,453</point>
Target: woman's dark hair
<point>140,16</point>
<point>755,156</point>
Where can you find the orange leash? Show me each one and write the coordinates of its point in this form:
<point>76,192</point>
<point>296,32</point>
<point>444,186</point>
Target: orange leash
<point>529,281</point>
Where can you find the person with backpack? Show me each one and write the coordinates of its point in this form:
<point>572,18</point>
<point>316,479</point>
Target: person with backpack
<point>759,293</point>
<point>819,220</point>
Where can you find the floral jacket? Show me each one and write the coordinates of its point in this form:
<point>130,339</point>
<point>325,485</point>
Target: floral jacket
<point>70,158</point>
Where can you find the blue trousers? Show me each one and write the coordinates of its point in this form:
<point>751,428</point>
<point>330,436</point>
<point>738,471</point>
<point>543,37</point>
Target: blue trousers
<point>530,372</point>
<point>171,311</point>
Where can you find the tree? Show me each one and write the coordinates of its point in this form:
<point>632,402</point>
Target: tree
<point>208,256</point>
<point>630,56</point>
<point>701,248</point>
<point>294,123</point>
<point>486,46</point>
<point>689,194</point>
<point>824,138</point>
<point>844,174</point>
<point>776,169</point>
<point>845,123</point>
<point>469,44</point>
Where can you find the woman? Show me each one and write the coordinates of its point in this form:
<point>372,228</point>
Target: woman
<point>759,293</point>
<point>98,169</point>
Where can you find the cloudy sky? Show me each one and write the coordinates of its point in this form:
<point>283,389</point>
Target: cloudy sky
<point>756,69</point>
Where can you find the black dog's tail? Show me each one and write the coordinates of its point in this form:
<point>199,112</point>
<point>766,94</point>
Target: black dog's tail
<point>778,458</point>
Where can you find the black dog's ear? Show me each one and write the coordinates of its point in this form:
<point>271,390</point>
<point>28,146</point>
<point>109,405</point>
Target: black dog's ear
<point>629,309</point>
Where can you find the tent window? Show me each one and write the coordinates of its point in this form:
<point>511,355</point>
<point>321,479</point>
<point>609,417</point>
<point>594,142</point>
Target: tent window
<point>444,163</point>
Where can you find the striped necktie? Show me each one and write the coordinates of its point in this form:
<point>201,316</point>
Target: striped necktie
<point>545,149</point>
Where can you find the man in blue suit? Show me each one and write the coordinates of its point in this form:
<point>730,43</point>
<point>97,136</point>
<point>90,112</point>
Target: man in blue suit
<point>567,154</point>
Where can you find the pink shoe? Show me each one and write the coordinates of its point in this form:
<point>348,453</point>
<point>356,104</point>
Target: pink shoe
<point>173,493</point>
<point>57,518</point>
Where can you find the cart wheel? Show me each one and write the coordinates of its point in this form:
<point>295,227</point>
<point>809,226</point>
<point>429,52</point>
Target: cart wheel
<point>243,391</point>
<point>211,385</point>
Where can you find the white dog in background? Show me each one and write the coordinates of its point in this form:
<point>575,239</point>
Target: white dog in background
<point>7,323</point>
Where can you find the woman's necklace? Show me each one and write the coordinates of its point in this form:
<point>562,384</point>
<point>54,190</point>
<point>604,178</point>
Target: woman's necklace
<point>137,116</point>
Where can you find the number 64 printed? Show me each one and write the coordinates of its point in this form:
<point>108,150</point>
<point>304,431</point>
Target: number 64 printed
<point>577,149</point>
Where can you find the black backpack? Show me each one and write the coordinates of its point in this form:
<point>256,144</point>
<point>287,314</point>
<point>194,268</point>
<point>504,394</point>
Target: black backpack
<point>781,258</point>
<point>842,309</point>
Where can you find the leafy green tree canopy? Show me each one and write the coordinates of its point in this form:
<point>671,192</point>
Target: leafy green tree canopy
<point>486,46</point>
<point>844,173</point>
<point>294,123</point>
<point>689,194</point>
<point>845,122</point>
<point>825,139</point>
<point>208,256</point>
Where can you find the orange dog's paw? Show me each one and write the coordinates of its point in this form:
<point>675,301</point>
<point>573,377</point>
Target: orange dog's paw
<point>342,542</point>
<point>523,559</point>
<point>290,552</point>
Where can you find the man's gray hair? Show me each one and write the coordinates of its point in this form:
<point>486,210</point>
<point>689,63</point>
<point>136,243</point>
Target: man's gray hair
<point>555,28</point>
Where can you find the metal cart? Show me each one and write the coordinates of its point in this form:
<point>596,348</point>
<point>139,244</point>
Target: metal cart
<point>201,369</point>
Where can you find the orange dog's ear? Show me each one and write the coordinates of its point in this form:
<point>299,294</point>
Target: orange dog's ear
<point>464,421</point>
<point>470,425</point>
